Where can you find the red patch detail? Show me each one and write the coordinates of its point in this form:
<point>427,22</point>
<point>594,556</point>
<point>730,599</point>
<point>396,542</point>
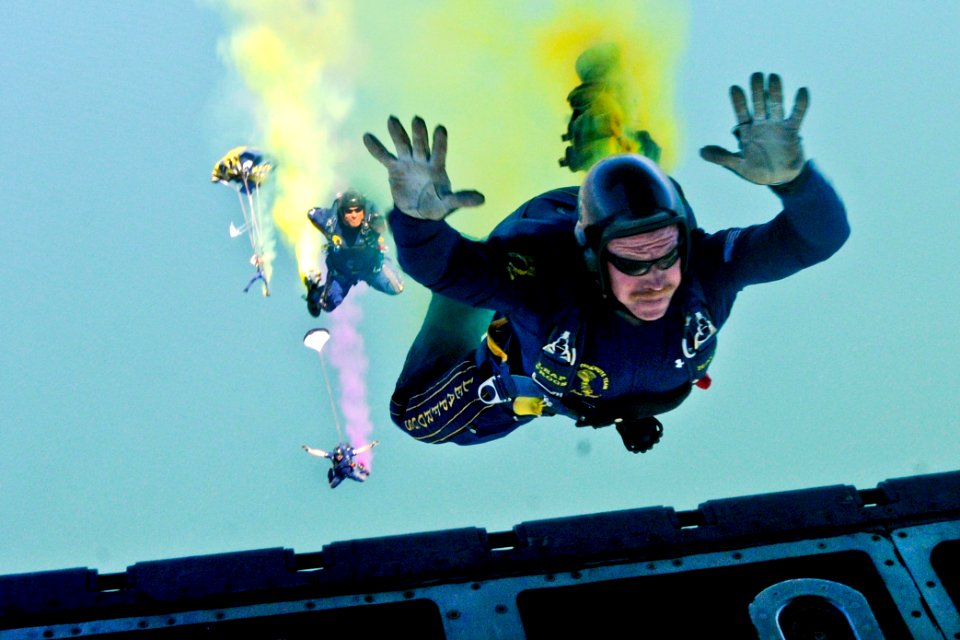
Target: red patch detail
<point>704,382</point>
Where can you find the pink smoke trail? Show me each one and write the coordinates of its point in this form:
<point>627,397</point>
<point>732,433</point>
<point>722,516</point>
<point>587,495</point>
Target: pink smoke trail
<point>348,356</point>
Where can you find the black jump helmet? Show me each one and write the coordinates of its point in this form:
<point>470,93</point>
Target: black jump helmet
<point>623,195</point>
<point>350,199</point>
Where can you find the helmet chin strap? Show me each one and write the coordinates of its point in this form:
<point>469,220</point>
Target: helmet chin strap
<point>580,235</point>
<point>621,310</point>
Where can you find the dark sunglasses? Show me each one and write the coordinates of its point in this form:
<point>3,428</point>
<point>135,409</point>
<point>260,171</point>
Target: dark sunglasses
<point>633,267</point>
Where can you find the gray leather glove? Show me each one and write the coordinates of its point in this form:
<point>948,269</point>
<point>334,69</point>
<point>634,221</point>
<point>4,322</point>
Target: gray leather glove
<point>418,180</point>
<point>770,150</point>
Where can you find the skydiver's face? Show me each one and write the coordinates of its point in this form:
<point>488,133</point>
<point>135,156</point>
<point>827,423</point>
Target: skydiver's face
<point>646,296</point>
<point>353,217</point>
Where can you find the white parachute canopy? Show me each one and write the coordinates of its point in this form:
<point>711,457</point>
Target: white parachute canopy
<point>316,339</point>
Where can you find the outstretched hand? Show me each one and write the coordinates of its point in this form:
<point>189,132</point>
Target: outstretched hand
<point>770,150</point>
<point>418,179</point>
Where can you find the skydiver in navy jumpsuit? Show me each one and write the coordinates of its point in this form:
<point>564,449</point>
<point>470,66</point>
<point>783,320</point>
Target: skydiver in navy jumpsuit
<point>607,299</point>
<point>343,462</point>
<point>355,251</point>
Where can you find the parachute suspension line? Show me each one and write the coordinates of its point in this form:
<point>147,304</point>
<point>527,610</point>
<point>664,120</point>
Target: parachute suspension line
<point>333,404</point>
<point>254,209</point>
<point>265,215</point>
<point>247,222</point>
<point>255,227</point>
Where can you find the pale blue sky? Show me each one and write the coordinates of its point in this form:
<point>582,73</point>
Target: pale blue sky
<point>149,409</point>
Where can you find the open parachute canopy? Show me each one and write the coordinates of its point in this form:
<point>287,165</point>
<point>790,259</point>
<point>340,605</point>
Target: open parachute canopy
<point>316,339</point>
<point>245,170</point>
<point>242,167</point>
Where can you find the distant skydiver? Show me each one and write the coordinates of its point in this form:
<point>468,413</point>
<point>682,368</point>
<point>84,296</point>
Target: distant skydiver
<point>607,297</point>
<point>246,170</point>
<point>257,263</point>
<point>354,251</point>
<point>343,463</point>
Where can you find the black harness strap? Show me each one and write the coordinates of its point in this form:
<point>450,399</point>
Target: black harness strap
<point>555,371</point>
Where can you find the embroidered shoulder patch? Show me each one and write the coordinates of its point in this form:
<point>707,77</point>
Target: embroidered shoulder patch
<point>728,243</point>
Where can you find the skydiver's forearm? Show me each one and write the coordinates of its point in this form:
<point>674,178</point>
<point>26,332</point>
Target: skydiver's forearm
<point>816,214</point>
<point>423,246</point>
<point>435,254</point>
<point>378,223</point>
<point>320,453</point>
<point>811,227</point>
<point>367,447</point>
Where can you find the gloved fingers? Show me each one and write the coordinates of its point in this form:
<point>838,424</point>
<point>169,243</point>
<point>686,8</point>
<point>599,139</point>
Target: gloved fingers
<point>419,131</point>
<point>739,100</point>
<point>759,96</point>
<point>400,138</point>
<point>775,91</point>
<point>800,104</point>
<point>719,155</point>
<point>439,161</point>
<point>377,150</point>
<point>467,198</point>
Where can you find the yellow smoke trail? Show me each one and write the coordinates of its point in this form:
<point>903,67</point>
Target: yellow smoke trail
<point>650,37</point>
<point>495,72</point>
<point>285,55</point>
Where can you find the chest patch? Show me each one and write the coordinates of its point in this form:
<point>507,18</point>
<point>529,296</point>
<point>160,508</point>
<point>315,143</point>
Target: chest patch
<point>592,381</point>
<point>561,349</point>
<point>698,330</point>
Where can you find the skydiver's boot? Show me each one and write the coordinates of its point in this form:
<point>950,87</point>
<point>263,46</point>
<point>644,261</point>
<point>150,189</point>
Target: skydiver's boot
<point>315,291</point>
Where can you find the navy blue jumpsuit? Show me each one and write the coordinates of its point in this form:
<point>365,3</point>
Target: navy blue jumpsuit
<point>354,254</point>
<point>530,271</point>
